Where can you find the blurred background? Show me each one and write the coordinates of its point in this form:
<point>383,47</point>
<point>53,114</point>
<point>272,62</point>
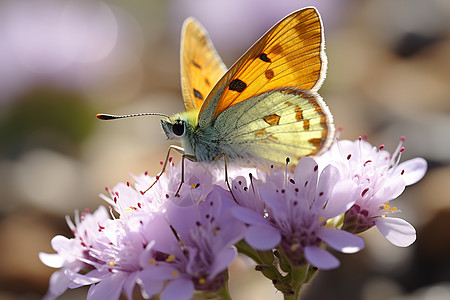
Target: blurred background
<point>61,62</point>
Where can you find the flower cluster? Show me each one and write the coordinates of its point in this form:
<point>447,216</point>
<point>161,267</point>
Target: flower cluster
<point>381,178</point>
<point>176,244</point>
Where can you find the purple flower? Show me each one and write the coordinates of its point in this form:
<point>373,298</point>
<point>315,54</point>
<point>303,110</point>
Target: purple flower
<point>169,245</point>
<point>380,179</point>
<point>106,254</point>
<point>207,233</point>
<point>298,207</point>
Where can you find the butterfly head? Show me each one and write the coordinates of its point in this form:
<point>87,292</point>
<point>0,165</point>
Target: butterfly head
<point>179,126</point>
<point>174,129</point>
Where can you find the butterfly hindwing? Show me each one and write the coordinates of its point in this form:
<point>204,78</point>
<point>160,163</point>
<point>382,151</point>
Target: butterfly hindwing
<point>274,125</point>
<point>290,54</point>
<point>201,66</point>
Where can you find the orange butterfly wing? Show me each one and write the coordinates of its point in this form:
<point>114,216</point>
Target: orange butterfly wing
<point>201,66</point>
<point>290,54</point>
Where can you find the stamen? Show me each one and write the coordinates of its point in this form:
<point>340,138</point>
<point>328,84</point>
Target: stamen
<point>364,192</point>
<point>341,150</point>
<point>338,133</point>
<point>286,172</point>
<point>360,148</point>
<point>295,246</point>
<point>388,208</point>
<point>398,151</point>
<point>170,258</point>
<point>251,183</point>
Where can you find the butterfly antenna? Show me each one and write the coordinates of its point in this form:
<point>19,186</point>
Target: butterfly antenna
<point>114,117</point>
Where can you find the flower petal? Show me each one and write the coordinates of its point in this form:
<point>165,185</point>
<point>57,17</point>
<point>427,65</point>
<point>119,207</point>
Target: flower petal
<point>341,240</point>
<point>262,237</point>
<point>109,288</point>
<point>52,260</point>
<point>91,277</point>
<point>321,258</point>
<point>413,170</point>
<point>270,197</point>
<point>61,243</point>
<point>129,284</point>
<point>58,285</point>
<point>181,289</point>
<point>397,231</point>
<point>222,261</point>
<point>342,198</point>
<point>149,284</point>
<point>248,216</point>
<point>391,189</point>
<point>328,178</point>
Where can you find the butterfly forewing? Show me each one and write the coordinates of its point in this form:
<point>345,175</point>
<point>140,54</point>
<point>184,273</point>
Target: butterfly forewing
<point>201,66</point>
<point>291,54</point>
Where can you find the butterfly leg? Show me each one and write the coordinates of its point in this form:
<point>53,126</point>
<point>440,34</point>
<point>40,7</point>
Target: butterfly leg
<point>183,157</point>
<point>171,147</point>
<point>226,174</point>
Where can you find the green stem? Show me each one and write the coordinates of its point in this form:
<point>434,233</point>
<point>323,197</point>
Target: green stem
<point>248,251</point>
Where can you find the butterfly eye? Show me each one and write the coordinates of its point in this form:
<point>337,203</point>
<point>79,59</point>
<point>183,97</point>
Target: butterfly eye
<point>178,128</point>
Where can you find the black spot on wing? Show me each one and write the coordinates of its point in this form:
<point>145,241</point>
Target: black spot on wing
<point>196,64</point>
<point>237,85</point>
<point>198,95</point>
<point>264,58</point>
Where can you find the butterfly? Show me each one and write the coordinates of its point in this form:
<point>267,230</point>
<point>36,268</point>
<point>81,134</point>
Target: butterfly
<point>265,108</point>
